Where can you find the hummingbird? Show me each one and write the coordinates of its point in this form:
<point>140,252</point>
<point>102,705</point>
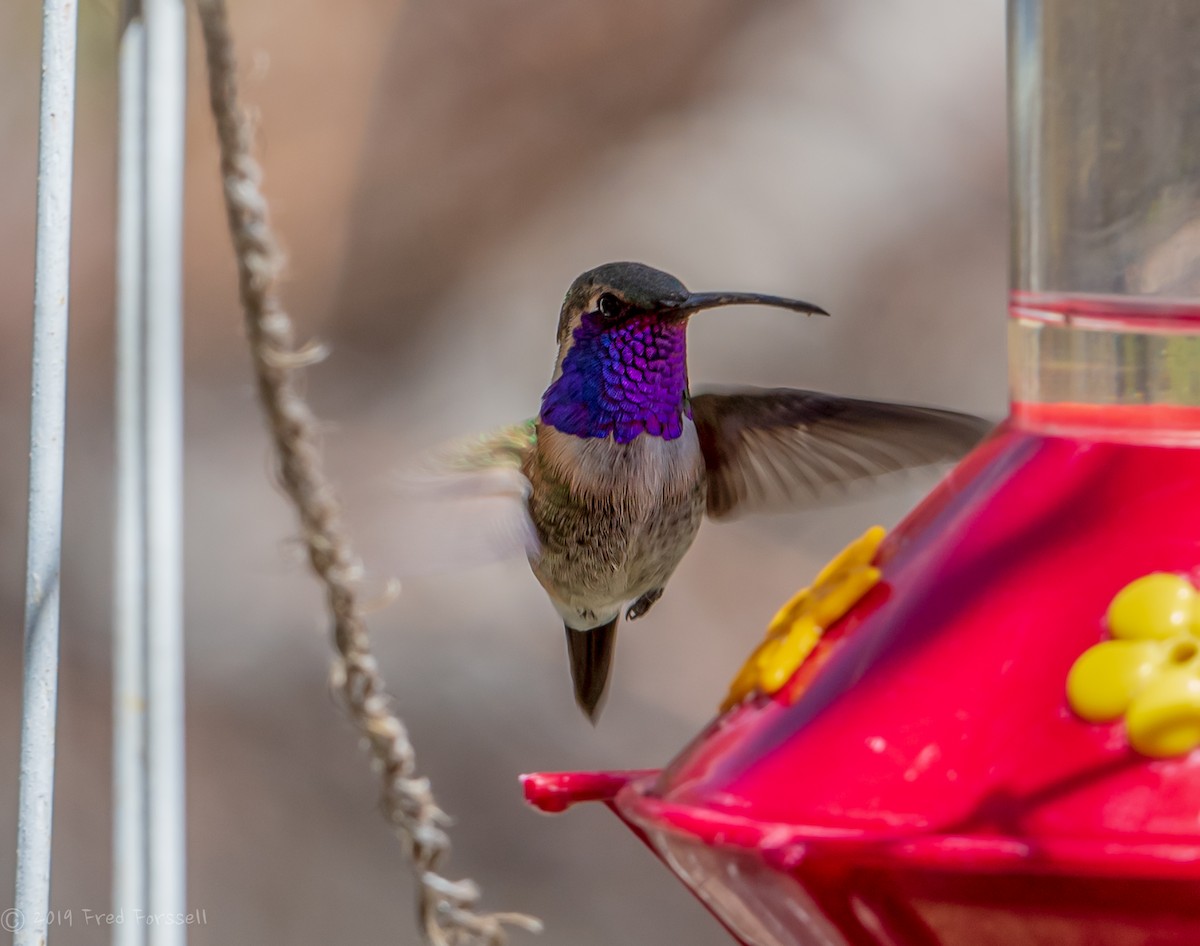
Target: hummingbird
<point>623,461</point>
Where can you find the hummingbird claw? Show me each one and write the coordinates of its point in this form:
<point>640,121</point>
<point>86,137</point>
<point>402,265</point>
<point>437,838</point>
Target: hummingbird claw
<point>643,604</point>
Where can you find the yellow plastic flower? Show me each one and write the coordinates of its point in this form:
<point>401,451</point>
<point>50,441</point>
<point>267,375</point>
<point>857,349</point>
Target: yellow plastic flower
<point>799,624</point>
<point>1150,672</point>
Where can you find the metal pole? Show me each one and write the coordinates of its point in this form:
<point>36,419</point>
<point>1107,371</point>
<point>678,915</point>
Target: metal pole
<point>46,449</point>
<point>129,591</point>
<point>166,52</point>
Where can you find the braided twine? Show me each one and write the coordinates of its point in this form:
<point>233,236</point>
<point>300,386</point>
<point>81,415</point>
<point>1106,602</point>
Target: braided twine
<point>447,908</point>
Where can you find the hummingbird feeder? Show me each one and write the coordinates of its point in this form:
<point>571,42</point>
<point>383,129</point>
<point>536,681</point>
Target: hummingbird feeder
<point>982,728</point>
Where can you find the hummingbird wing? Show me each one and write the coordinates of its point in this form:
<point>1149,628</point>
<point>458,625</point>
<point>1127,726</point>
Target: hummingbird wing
<point>465,503</point>
<point>504,448</point>
<point>767,448</point>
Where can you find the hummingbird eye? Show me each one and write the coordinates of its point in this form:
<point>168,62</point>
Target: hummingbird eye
<point>609,305</point>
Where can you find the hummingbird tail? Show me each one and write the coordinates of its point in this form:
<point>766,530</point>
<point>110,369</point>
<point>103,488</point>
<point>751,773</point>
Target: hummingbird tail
<point>591,655</point>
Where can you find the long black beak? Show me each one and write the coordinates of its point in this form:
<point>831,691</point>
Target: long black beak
<point>711,300</point>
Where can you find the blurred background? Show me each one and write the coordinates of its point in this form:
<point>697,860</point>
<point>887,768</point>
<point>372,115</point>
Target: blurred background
<point>439,173</point>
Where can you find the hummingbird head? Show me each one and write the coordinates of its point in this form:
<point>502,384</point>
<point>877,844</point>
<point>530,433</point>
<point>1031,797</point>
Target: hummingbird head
<point>622,351</point>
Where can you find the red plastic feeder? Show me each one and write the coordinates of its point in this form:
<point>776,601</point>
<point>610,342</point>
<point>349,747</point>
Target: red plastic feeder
<point>922,777</point>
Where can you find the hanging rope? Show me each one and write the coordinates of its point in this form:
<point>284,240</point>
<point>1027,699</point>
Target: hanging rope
<point>447,908</point>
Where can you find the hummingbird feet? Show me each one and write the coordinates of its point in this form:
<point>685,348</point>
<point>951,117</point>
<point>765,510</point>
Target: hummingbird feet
<point>643,604</point>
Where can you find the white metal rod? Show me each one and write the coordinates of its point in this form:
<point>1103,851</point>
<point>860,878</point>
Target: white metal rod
<point>166,51</point>
<point>129,612</point>
<point>46,447</point>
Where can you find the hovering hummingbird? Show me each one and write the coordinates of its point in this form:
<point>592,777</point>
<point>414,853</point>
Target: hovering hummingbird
<point>623,461</point>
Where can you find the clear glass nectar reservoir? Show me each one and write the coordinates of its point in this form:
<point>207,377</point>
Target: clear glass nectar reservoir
<point>1105,165</point>
<point>1127,365</point>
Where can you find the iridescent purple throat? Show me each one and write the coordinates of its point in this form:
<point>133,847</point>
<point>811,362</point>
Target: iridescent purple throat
<point>621,380</point>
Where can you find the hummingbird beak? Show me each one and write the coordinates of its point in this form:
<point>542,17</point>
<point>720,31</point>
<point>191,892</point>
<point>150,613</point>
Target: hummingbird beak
<point>696,301</point>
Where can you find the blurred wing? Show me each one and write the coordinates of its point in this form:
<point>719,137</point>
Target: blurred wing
<point>505,448</point>
<point>465,504</point>
<point>765,448</point>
